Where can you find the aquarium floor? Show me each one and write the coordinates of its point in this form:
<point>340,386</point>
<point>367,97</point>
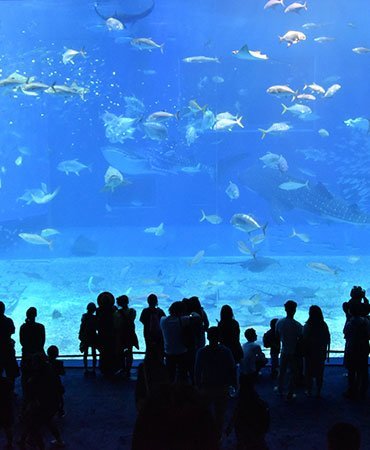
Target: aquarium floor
<point>60,288</point>
<point>100,414</point>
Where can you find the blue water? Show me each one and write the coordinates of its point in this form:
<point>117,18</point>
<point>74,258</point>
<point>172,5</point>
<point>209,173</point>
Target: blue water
<point>47,129</point>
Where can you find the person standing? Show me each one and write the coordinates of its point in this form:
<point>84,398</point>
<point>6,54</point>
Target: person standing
<point>150,317</point>
<point>8,362</point>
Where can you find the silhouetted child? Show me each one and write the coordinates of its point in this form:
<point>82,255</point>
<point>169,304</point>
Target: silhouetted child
<point>6,409</point>
<point>88,335</point>
<point>271,341</point>
<point>253,358</point>
<point>58,368</point>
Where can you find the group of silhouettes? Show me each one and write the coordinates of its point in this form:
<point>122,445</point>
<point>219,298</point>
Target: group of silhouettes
<point>181,379</point>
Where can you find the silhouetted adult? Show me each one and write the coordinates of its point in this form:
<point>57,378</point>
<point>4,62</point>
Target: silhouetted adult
<point>250,420</point>
<point>358,297</point>
<point>175,418</point>
<point>150,318</point>
<point>88,336</point>
<point>316,345</point>
<point>344,436</point>
<point>290,334</point>
<point>8,362</point>
<point>32,340</point>
<point>125,335</point>
<point>356,352</point>
<point>215,373</point>
<point>229,332</point>
<point>106,338</point>
<point>271,341</point>
<point>173,327</point>
<point>6,409</point>
<point>194,308</point>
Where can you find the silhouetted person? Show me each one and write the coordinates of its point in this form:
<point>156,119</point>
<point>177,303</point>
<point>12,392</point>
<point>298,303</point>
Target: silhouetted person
<point>8,362</point>
<point>195,308</point>
<point>215,372</point>
<point>356,352</point>
<point>106,336</point>
<point>150,318</point>
<point>358,297</point>
<point>316,345</point>
<point>253,358</point>
<point>88,336</point>
<point>272,341</point>
<point>125,335</point>
<point>250,420</point>
<point>58,368</point>
<point>229,332</point>
<point>6,409</point>
<point>175,418</point>
<point>152,375</point>
<point>289,332</point>
<point>173,328</point>
<point>32,340</point>
<point>344,436</point>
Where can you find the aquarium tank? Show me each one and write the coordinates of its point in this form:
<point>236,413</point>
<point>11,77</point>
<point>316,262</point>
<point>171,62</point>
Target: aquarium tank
<point>209,148</point>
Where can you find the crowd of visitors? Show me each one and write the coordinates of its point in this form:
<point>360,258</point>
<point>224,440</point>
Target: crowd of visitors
<point>181,379</point>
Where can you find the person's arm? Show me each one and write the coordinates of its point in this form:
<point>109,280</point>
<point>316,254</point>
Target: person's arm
<point>142,315</point>
<point>11,327</point>
<point>43,337</point>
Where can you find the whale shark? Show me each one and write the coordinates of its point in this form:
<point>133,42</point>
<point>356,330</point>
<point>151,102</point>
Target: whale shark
<point>313,197</point>
<point>117,13</point>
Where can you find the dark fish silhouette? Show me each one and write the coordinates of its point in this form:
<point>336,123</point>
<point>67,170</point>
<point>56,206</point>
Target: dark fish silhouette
<point>314,198</point>
<point>120,14</point>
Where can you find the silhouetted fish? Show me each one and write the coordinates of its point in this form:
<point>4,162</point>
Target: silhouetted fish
<point>120,14</point>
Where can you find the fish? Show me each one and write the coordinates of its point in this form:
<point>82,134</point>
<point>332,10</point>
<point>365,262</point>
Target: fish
<point>218,79</point>
<point>162,116</point>
<point>278,127</point>
<point>292,185</point>
<point>227,124</point>
<point>72,166</point>
<point>243,248</point>
<point>64,90</point>
<point>45,196</point>
<point>324,39</point>
<point>297,109</point>
<point>157,231</point>
<point>213,283</point>
<point>281,90</point>
<point>232,191</point>
<point>192,169</point>
<point>296,7</point>
<point>47,232</point>
<point>225,115</point>
<point>113,178</point>
<point>353,259</point>
<point>257,239</point>
<point>361,50</point>
<point>18,161</point>
<point>197,258</point>
<point>321,267</point>
<point>250,55</point>
<point>35,239</point>
<point>259,264</point>
<point>245,222</point>
<point>315,88</point>
<point>311,26</point>
<point>303,237</point>
<point>359,123</point>
<point>127,163</point>
<point>323,133</point>
<point>155,130</point>
<point>114,24</point>
<point>273,4</point>
<point>214,219</point>
<point>70,54</point>
<point>332,90</point>
<point>304,97</point>
<point>15,79</point>
<point>200,59</point>
<point>195,108</point>
<point>146,44</point>
<point>292,37</point>
<point>32,88</point>
<point>119,14</point>
<point>274,161</point>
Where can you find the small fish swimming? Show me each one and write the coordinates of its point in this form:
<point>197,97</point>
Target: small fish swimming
<point>324,39</point>
<point>361,50</point>
<point>66,91</point>
<point>273,4</point>
<point>274,161</point>
<point>113,178</point>
<point>302,236</point>
<point>35,239</point>
<point>323,133</point>
<point>162,116</point>
<point>18,161</point>
<point>200,59</point>
<point>214,219</point>
<point>292,37</point>
<point>72,166</point>
<point>197,258</point>
<point>243,248</point>
<point>45,196</point>
<point>281,90</point>
<point>157,231</point>
<point>305,97</point>
<point>293,185</point>
<point>114,24</point>
<point>70,54</point>
<point>297,109</point>
<point>296,7</point>
<point>245,222</point>
<point>250,55</point>
<point>47,232</point>
<point>321,267</point>
<point>227,124</point>
<point>15,79</point>
<point>232,191</point>
<point>277,127</point>
<point>332,90</point>
<point>146,44</point>
<point>225,115</point>
<point>315,88</point>
<point>155,130</point>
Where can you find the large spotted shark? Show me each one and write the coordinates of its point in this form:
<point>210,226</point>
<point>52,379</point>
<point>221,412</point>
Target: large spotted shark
<point>105,10</point>
<point>313,197</point>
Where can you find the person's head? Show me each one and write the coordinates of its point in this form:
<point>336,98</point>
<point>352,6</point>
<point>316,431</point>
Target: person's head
<point>273,324</point>
<point>105,300</point>
<point>344,436</point>
<point>213,335</point>
<point>290,308</point>
<point>91,308</point>
<point>122,301</point>
<point>250,334</point>
<point>152,300</point>
<point>31,314</point>
<point>2,308</point>
<point>176,309</point>
<point>194,305</point>
<point>357,293</point>
<point>53,352</point>
<point>315,314</point>
<point>226,312</point>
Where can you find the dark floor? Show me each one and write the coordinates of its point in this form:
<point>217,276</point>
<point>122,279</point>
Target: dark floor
<point>101,413</point>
